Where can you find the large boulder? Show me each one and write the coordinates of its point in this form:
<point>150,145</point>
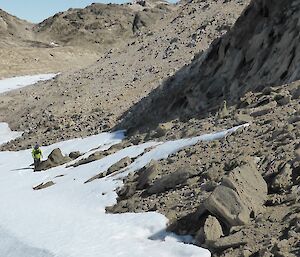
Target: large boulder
<point>240,196</point>
<point>55,158</point>
<point>227,204</point>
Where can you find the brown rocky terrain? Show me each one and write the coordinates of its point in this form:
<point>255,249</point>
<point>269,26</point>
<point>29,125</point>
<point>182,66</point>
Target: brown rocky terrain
<point>100,25</point>
<point>261,49</point>
<point>73,39</point>
<point>238,196</point>
<point>92,99</point>
<point>13,30</point>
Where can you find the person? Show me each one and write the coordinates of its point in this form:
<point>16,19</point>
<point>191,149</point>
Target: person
<point>36,155</point>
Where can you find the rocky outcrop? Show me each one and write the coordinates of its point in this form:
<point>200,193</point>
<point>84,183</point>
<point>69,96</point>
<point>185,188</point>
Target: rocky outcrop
<point>240,196</point>
<point>260,50</point>
<point>99,25</point>
<point>55,158</point>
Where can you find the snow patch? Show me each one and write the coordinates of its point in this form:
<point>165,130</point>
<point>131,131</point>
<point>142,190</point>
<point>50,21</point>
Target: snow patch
<point>68,219</point>
<point>6,134</point>
<point>22,81</point>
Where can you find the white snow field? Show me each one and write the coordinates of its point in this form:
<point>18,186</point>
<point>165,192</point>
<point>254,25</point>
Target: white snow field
<point>22,81</point>
<point>6,134</point>
<point>68,219</point>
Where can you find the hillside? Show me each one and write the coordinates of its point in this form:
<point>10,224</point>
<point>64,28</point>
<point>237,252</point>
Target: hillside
<point>208,96</point>
<point>261,50</point>
<point>100,25</point>
<point>93,98</point>
<point>72,39</point>
<point>13,30</point>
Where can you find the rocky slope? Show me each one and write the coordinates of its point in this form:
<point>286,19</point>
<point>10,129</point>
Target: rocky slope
<point>13,30</point>
<point>262,49</point>
<point>72,39</point>
<point>101,24</point>
<point>238,196</point>
<point>92,99</point>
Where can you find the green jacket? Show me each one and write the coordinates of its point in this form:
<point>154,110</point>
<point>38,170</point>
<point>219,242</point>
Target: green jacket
<point>37,154</point>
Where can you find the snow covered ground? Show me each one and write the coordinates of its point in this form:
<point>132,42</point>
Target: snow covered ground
<point>6,134</point>
<point>16,83</point>
<point>23,81</point>
<point>68,219</point>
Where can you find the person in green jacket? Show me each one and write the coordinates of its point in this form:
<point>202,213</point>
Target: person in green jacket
<point>37,156</point>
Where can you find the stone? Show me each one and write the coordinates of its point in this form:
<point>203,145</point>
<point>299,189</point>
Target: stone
<point>44,185</point>
<point>147,176</point>
<point>212,230</point>
<point>170,181</point>
<point>283,180</point>
<point>243,118</point>
<point>98,176</point>
<point>119,165</point>
<point>250,186</point>
<point>226,203</point>
<point>223,112</point>
<point>297,152</point>
<point>162,129</point>
<point>232,241</point>
<point>240,196</point>
<point>74,155</point>
<point>55,158</point>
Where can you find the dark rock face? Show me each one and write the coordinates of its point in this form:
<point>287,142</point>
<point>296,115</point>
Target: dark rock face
<point>261,49</point>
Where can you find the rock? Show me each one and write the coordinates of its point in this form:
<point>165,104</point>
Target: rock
<point>55,158</point>
<point>44,185</point>
<point>119,165</point>
<point>211,231</point>
<point>98,176</point>
<point>263,110</point>
<point>171,181</point>
<point>232,241</point>
<point>226,203</point>
<point>147,176</point>
<point>297,152</point>
<point>127,191</point>
<point>162,129</point>
<point>93,157</point>
<point>250,186</point>
<point>243,118</point>
<point>223,112</point>
<point>74,155</point>
<point>283,180</point>
<point>240,196</point>
<point>283,99</point>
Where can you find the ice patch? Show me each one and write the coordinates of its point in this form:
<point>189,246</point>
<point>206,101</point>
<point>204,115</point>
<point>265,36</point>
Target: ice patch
<point>6,134</point>
<point>22,81</point>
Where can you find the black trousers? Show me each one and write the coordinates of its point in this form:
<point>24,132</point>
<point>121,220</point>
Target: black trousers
<point>36,163</point>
